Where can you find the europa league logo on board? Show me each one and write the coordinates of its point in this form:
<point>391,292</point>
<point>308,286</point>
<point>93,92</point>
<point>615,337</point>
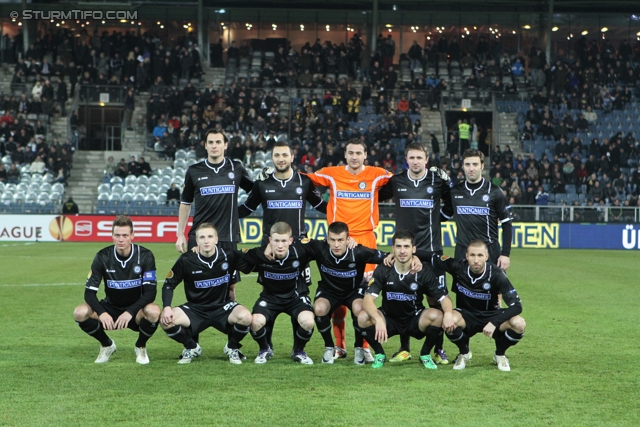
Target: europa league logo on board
<point>61,228</point>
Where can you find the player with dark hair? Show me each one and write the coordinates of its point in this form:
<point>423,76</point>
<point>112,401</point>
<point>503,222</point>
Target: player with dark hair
<point>283,196</point>
<point>477,284</point>
<point>213,186</point>
<point>341,272</point>
<point>479,207</point>
<point>402,310</point>
<point>284,291</point>
<point>416,193</point>
<point>207,278</point>
<point>353,200</point>
<point>129,273</point>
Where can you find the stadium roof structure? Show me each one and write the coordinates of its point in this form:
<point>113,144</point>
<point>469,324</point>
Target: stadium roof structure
<point>540,6</point>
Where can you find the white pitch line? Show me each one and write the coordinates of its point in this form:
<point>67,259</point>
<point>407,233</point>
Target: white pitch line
<point>29,285</point>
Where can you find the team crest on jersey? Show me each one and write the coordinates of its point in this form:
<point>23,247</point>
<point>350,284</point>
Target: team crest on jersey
<point>262,303</point>
<point>413,286</point>
<point>225,266</point>
<point>353,264</point>
<point>170,274</point>
<point>445,257</point>
<point>485,198</point>
<point>299,191</point>
<point>137,269</point>
<point>362,185</point>
<point>486,286</point>
<point>231,175</point>
<point>429,190</point>
<point>296,264</point>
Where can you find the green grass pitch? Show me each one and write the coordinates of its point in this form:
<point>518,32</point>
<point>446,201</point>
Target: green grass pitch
<point>576,366</point>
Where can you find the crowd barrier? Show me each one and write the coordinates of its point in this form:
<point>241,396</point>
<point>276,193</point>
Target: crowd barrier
<point>97,228</point>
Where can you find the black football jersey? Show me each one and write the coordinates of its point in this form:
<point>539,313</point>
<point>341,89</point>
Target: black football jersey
<point>129,283</point>
<point>478,293</point>
<point>281,278</point>
<point>418,206</point>
<point>402,294</point>
<point>342,275</point>
<point>206,280</point>
<point>214,189</point>
<point>282,200</point>
<point>478,212</point>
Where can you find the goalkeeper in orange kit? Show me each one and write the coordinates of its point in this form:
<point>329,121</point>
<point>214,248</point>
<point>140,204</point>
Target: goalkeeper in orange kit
<point>353,200</point>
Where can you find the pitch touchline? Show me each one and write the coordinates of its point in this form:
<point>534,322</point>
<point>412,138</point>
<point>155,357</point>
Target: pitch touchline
<point>25,285</point>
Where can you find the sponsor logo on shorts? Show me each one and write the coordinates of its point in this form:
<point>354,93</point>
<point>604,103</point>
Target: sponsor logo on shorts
<point>470,294</point>
<point>280,276</point>
<point>416,203</point>
<point>124,284</point>
<point>217,189</point>
<point>472,210</point>
<point>341,274</point>
<point>284,204</point>
<point>211,283</point>
<point>399,296</point>
<point>354,195</point>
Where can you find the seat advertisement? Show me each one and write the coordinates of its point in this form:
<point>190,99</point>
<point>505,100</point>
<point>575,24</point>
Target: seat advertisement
<point>97,228</point>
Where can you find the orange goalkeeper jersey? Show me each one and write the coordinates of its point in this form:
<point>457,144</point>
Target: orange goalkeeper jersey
<point>354,198</point>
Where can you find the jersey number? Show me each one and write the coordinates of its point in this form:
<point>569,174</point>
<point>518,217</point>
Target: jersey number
<point>305,300</point>
<point>230,305</point>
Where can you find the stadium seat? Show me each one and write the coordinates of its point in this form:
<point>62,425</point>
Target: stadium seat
<point>104,188</point>
<point>116,180</point>
<point>143,180</point>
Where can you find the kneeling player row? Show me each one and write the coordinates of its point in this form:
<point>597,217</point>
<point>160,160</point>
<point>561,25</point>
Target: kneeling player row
<point>208,275</point>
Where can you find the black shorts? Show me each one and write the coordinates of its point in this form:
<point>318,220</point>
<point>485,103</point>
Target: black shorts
<point>494,252</point>
<point>336,300</point>
<point>115,312</point>
<point>475,322</point>
<point>201,317</point>
<point>411,327</point>
<point>270,307</point>
<point>228,247</point>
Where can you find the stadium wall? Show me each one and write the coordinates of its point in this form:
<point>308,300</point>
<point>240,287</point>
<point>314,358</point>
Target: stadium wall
<point>97,228</point>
